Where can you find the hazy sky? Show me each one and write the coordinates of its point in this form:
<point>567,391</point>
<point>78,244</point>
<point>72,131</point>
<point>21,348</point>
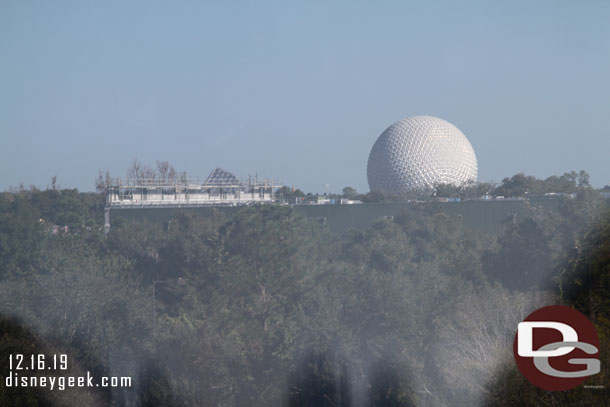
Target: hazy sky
<point>297,91</point>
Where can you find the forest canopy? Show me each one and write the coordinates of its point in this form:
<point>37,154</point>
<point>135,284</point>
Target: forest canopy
<point>267,308</point>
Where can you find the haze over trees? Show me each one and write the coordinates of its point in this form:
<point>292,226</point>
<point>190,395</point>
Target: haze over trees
<point>517,186</point>
<point>265,308</point>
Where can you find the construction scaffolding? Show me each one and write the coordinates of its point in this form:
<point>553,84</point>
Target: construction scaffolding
<point>220,188</point>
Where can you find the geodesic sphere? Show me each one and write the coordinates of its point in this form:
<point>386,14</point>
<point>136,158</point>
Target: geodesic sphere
<point>420,152</point>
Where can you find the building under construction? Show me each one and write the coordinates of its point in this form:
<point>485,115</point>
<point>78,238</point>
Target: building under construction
<point>220,188</point>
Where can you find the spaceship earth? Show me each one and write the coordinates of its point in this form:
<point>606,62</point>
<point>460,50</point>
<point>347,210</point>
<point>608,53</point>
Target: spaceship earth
<point>420,152</point>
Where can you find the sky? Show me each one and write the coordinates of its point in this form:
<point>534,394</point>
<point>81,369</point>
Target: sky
<point>297,91</point>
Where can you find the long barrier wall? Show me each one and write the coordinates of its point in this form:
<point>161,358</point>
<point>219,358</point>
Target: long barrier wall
<point>488,216</point>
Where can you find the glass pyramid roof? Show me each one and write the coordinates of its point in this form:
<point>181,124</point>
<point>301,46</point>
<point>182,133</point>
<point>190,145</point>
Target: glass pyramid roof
<point>219,177</point>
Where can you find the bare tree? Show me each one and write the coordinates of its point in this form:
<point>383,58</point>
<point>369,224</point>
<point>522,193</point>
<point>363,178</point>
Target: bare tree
<point>165,171</point>
<point>102,182</point>
<point>100,186</point>
<point>162,169</point>
<point>139,171</point>
<point>475,340</point>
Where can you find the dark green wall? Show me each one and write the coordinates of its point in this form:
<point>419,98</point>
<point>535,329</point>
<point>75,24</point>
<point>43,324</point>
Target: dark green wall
<point>489,216</point>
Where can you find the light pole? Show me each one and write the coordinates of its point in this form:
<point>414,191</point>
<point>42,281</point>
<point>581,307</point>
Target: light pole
<point>179,280</point>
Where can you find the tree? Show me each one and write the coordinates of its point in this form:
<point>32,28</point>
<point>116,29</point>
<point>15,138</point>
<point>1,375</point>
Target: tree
<point>583,179</point>
<point>372,197</point>
<point>138,171</point>
<point>102,182</point>
<point>349,193</point>
<point>278,310</point>
<point>517,185</point>
<point>289,194</point>
<point>584,284</point>
<point>523,258</point>
<point>165,171</point>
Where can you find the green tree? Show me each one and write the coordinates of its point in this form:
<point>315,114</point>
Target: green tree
<point>349,193</point>
<point>523,258</point>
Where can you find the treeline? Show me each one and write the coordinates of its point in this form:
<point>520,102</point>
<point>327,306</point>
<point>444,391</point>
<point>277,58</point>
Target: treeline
<point>265,308</point>
<point>519,185</point>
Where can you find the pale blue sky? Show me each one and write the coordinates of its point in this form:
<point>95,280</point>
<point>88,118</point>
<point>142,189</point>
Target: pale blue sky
<point>298,90</point>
